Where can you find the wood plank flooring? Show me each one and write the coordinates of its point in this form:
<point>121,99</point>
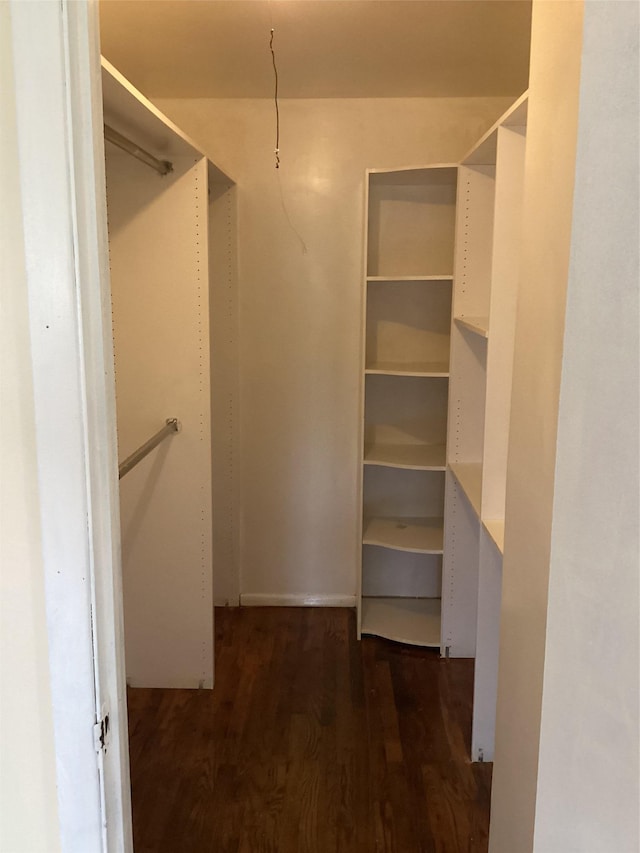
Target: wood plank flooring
<point>310,743</point>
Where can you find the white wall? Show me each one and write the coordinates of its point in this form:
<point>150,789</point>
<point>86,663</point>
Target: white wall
<point>300,311</point>
<point>589,774</point>
<point>566,764</point>
<point>28,801</point>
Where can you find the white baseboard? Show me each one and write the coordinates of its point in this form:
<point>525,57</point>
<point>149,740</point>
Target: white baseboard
<point>266,600</point>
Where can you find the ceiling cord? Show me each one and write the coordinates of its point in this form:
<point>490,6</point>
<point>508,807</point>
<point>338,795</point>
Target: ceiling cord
<point>277,149</point>
<point>275,99</point>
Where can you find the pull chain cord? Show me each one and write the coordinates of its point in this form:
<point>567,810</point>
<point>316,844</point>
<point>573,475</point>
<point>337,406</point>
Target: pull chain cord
<point>275,98</point>
<point>277,150</point>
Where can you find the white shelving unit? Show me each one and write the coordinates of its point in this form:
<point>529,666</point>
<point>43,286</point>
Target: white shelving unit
<point>441,277</point>
<point>405,367</point>
<point>482,343</point>
<point>171,246</point>
<point>438,338</point>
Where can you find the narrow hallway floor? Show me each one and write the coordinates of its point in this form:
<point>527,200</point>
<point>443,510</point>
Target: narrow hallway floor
<point>310,743</point>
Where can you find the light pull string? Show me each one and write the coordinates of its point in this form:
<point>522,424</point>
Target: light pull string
<point>277,149</point>
<point>275,99</point>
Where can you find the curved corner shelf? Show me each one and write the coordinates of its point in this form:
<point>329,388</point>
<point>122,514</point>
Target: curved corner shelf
<point>437,369</point>
<point>415,621</point>
<point>416,535</point>
<point>418,457</point>
<point>477,325</point>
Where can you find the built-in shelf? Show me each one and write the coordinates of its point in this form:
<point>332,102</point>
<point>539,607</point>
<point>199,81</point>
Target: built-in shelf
<point>417,535</point>
<point>415,368</point>
<point>469,476</point>
<point>495,529</point>
<point>401,278</point>
<point>407,306</point>
<point>419,457</point>
<point>415,621</point>
<point>477,325</point>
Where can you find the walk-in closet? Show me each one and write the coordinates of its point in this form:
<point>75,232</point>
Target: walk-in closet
<point>370,297</point>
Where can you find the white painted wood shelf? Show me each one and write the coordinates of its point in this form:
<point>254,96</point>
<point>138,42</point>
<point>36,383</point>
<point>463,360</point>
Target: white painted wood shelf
<point>483,333</point>
<point>406,345</point>
<point>417,535</point>
<point>425,369</point>
<point>495,529</point>
<point>469,476</point>
<point>417,457</point>
<point>401,278</point>
<point>477,325</point>
<point>415,621</point>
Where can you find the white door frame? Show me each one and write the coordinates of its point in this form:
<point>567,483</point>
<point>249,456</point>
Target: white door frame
<point>60,140</point>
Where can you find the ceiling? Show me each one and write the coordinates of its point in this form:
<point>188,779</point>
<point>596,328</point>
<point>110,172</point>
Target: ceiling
<point>324,48</point>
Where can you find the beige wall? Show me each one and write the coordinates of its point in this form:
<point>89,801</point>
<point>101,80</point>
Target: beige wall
<point>28,810</point>
<point>300,311</point>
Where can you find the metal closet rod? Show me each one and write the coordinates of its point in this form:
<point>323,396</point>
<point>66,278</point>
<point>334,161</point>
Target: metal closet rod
<point>163,167</point>
<point>172,425</point>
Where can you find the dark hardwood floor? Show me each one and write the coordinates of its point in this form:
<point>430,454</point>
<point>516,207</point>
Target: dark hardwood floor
<point>310,743</point>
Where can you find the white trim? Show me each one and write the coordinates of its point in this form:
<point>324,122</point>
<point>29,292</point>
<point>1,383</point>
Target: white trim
<point>59,125</point>
<point>301,600</point>
<point>92,259</point>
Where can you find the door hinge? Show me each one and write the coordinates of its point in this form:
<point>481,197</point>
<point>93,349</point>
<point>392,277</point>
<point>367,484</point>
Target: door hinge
<point>101,734</point>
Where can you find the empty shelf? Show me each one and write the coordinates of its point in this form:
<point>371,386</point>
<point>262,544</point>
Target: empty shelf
<point>407,620</point>
<point>495,529</point>
<point>477,325</point>
<point>374,278</point>
<point>469,476</point>
<point>421,457</point>
<point>418,535</point>
<point>415,368</point>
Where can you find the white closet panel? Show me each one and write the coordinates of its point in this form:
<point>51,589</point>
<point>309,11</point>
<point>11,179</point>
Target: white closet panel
<point>160,286</point>
<point>225,408</point>
<point>173,279</point>
<point>459,572</point>
<point>488,232</point>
